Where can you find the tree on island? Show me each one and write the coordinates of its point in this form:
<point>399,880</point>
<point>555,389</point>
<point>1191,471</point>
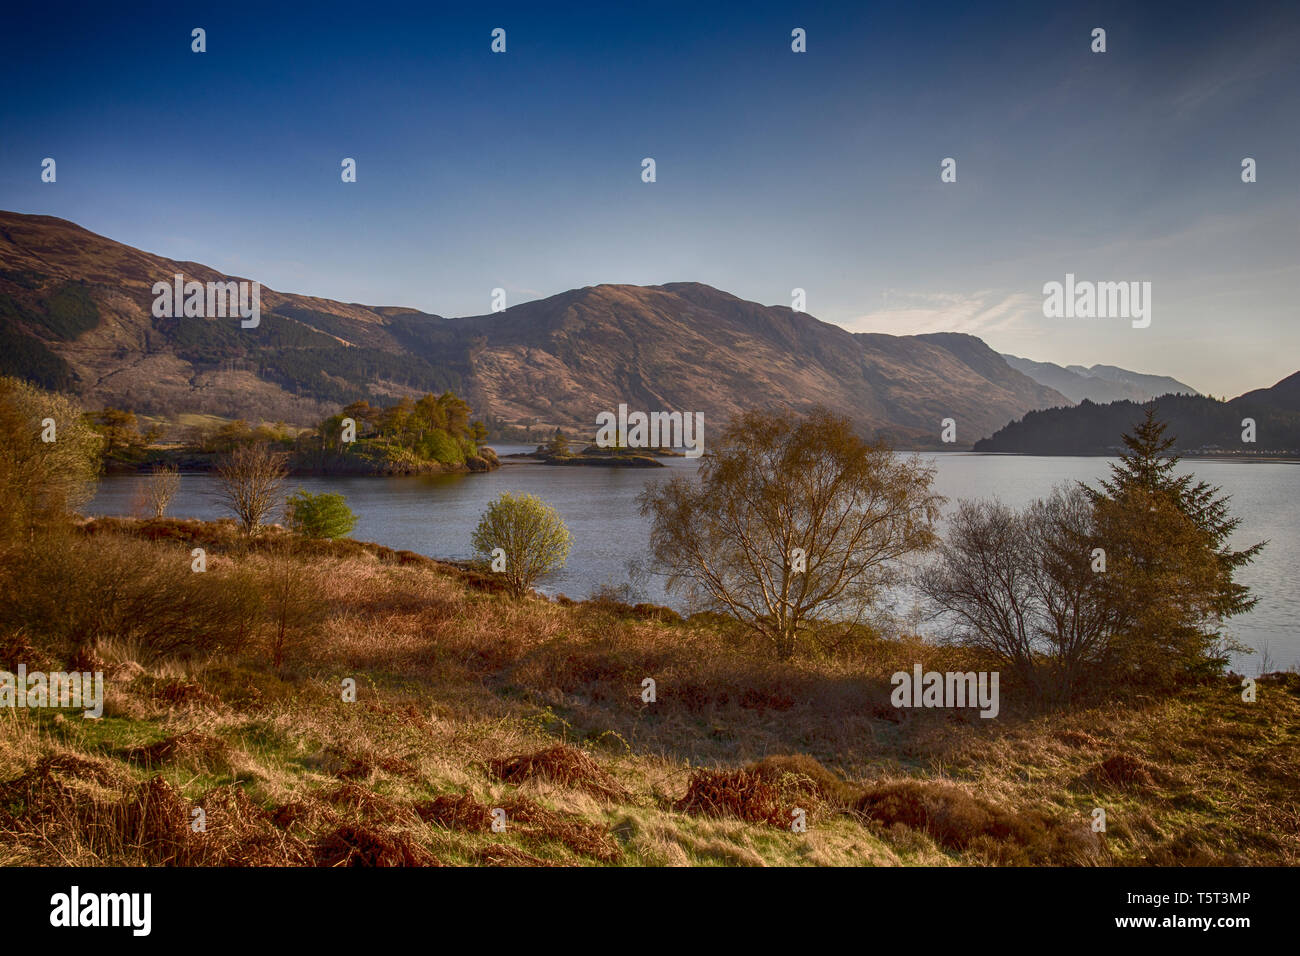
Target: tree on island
<point>432,428</point>
<point>559,445</point>
<point>120,429</point>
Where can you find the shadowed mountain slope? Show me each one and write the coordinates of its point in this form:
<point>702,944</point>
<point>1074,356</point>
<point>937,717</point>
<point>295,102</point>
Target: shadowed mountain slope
<point>75,313</point>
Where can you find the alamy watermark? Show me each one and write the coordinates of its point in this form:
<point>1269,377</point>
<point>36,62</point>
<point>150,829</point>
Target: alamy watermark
<point>215,300</point>
<point>55,689</point>
<point>651,430</point>
<point>950,689</point>
<point>75,908</point>
<point>1098,300</point>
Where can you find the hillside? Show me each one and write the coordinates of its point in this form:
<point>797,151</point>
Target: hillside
<point>1100,383</point>
<point>75,311</point>
<point>691,347</point>
<point>1198,423</point>
<point>469,702</point>
<point>1285,395</point>
<point>75,314</point>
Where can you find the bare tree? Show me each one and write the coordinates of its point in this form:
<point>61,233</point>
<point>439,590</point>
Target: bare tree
<point>982,582</point>
<point>291,608</point>
<point>1022,585</point>
<point>791,520</point>
<point>160,487</point>
<point>251,478</point>
<point>1078,619</point>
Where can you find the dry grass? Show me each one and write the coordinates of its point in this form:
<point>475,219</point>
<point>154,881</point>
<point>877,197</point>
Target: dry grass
<point>456,812</point>
<point>560,764</point>
<point>469,702</point>
<point>192,749</point>
<point>742,794</point>
<point>353,845</point>
<point>957,820</point>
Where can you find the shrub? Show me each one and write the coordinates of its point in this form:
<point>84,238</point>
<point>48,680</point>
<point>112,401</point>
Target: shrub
<point>744,794</point>
<point>292,610</point>
<point>71,593</point>
<point>160,487</point>
<point>41,481</point>
<point>957,820</point>
<point>1019,584</point>
<point>320,516</point>
<point>531,534</point>
<point>560,764</point>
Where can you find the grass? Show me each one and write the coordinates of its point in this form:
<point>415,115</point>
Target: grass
<point>469,702</point>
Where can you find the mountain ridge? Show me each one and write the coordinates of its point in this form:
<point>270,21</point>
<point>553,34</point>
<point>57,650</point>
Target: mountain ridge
<point>75,311</point>
<point>1197,423</point>
<point>1100,383</point>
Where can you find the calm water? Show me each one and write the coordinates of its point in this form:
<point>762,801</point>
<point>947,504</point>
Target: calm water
<point>435,515</point>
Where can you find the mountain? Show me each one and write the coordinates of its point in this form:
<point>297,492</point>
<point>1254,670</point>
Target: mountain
<point>1284,395</point>
<point>687,346</point>
<point>1198,423</point>
<point>1101,383</point>
<point>1150,385</point>
<point>75,314</point>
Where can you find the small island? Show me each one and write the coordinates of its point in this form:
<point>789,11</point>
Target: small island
<point>426,436</point>
<point>558,452</point>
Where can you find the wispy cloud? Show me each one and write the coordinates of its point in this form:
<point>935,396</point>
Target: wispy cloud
<point>979,313</point>
<point>1237,69</point>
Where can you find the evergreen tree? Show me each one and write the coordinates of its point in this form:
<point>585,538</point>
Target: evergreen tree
<point>1149,465</point>
<point>1170,569</point>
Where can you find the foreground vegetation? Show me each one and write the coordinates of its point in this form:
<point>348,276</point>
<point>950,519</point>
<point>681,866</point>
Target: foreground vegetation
<point>470,700</point>
<point>298,698</point>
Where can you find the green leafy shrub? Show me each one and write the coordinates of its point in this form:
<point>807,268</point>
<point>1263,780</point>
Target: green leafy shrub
<point>320,516</point>
<point>531,534</point>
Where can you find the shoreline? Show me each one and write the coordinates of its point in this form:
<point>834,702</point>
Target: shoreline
<point>202,463</point>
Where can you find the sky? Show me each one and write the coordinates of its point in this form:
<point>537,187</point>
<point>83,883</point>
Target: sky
<point>774,170</point>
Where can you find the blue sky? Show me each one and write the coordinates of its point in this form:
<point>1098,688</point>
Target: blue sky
<point>775,170</point>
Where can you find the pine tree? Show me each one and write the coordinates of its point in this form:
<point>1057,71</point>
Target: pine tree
<point>1170,565</point>
<point>1149,465</point>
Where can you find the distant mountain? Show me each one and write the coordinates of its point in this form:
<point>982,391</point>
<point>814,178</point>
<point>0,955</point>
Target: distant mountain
<point>1198,424</point>
<point>75,314</point>
<point>1101,383</point>
<point>691,347</point>
<point>1284,395</point>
